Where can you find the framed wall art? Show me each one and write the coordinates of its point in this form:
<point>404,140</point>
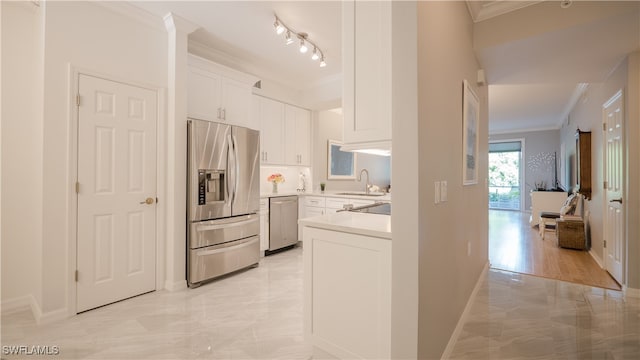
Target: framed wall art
<point>470,133</point>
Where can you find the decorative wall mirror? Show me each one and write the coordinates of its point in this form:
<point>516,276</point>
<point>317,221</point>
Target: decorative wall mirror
<point>341,165</point>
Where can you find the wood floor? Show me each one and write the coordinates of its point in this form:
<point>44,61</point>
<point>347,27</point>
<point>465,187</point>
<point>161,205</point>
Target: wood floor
<point>515,246</point>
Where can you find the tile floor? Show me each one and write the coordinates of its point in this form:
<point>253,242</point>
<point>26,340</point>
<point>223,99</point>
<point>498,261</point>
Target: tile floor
<point>517,316</point>
<point>257,314</point>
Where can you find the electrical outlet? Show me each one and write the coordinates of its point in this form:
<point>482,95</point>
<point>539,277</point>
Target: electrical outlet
<point>443,191</point>
<point>436,192</point>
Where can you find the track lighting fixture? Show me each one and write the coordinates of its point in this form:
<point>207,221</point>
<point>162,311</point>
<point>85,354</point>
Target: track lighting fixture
<point>304,40</point>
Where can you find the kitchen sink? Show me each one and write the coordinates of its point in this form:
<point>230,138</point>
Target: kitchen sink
<point>362,193</point>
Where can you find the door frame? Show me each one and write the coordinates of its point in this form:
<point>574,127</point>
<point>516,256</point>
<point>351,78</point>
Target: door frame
<point>618,94</point>
<point>521,168</point>
<point>74,73</point>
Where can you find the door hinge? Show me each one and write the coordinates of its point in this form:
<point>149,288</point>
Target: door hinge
<point>604,126</point>
<point>156,200</point>
<point>77,99</point>
<point>77,187</point>
<point>77,274</point>
<point>606,185</point>
<point>605,243</point>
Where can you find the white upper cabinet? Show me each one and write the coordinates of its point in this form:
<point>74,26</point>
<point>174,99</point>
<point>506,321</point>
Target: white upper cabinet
<point>285,132</point>
<point>366,102</point>
<point>220,94</point>
<point>297,128</point>
<point>271,118</point>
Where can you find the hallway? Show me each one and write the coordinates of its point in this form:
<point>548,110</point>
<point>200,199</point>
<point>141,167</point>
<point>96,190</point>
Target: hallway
<point>515,246</point>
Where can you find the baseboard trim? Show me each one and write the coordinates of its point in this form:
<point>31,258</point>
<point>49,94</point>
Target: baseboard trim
<point>51,316</point>
<point>630,292</point>
<point>456,332</point>
<point>596,258</point>
<point>16,304</point>
<point>175,285</point>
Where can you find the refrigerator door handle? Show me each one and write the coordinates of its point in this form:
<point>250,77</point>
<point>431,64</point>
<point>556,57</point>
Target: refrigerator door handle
<point>232,164</point>
<point>236,163</point>
<point>227,182</point>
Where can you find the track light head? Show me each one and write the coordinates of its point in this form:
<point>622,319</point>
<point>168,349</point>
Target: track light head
<point>315,55</point>
<point>303,45</point>
<point>278,26</point>
<point>322,63</point>
<point>289,40</point>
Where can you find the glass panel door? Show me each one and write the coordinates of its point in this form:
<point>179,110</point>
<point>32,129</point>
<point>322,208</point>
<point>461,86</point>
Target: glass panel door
<point>504,178</point>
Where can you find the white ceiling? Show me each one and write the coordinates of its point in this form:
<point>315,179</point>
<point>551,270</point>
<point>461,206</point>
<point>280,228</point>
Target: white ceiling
<point>537,58</point>
<point>244,31</point>
<point>535,54</point>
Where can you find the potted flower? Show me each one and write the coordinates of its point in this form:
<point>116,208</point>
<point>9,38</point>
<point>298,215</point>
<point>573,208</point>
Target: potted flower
<point>275,179</point>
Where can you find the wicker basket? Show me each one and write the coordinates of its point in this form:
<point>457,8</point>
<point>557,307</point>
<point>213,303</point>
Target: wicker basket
<point>570,234</point>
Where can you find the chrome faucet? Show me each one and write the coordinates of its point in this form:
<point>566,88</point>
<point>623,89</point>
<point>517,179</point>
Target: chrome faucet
<point>366,186</point>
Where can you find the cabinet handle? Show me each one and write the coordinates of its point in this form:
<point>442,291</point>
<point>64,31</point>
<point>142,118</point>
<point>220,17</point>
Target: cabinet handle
<point>224,114</point>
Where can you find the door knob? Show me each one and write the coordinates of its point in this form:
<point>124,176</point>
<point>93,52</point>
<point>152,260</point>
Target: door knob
<point>616,200</point>
<point>147,201</point>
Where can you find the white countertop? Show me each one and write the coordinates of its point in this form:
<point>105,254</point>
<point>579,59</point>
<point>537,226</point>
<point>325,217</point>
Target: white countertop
<point>352,222</point>
<point>386,197</point>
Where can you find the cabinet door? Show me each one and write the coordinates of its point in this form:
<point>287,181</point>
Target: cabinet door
<point>236,100</point>
<point>303,136</point>
<point>367,71</point>
<point>297,131</point>
<point>291,156</point>
<point>310,211</point>
<point>203,94</point>
<point>271,131</point>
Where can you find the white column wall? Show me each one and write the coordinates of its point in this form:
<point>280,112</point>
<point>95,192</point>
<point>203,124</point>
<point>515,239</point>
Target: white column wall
<point>87,36</point>
<point>22,179</point>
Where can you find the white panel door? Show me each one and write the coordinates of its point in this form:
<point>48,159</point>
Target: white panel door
<point>614,226</point>
<point>116,234</point>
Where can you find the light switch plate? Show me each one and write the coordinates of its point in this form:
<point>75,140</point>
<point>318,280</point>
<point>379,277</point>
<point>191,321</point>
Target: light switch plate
<point>436,192</point>
<point>443,191</point>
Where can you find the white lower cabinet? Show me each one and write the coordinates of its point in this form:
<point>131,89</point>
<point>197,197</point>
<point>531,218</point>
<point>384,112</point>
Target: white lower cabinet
<point>264,224</point>
<point>347,293</point>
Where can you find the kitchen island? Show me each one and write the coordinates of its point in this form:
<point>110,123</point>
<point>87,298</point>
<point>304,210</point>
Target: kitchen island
<point>347,284</point>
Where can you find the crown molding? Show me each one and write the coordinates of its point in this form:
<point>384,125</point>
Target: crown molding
<point>133,12</point>
<point>484,10</point>
<point>517,131</point>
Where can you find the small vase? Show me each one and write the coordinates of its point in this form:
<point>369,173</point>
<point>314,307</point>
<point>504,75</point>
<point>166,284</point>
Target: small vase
<point>275,188</point>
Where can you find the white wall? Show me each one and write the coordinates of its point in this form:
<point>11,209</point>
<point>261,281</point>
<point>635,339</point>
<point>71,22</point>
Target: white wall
<point>447,275</point>
<point>328,125</point>
<point>90,37</point>
<point>22,178</point>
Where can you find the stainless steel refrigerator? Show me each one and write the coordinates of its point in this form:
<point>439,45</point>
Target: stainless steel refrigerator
<point>223,199</point>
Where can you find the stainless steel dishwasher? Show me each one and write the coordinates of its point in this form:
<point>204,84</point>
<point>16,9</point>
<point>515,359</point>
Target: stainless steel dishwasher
<point>283,223</point>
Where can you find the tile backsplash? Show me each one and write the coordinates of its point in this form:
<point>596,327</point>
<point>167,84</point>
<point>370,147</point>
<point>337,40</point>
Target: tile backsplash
<point>293,177</point>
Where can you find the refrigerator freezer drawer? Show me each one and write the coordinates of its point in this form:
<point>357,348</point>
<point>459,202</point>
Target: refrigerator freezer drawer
<point>214,232</point>
<point>213,261</point>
